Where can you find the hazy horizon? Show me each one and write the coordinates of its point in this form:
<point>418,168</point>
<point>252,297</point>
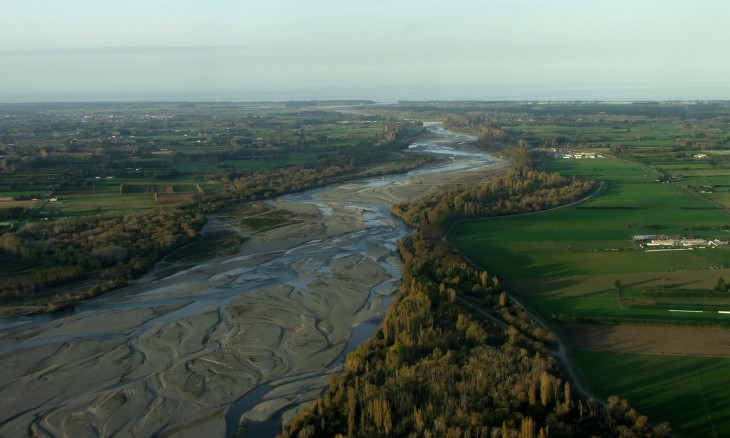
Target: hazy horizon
<point>380,97</point>
<point>222,50</point>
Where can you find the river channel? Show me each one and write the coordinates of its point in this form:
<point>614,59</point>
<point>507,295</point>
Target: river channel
<point>234,344</point>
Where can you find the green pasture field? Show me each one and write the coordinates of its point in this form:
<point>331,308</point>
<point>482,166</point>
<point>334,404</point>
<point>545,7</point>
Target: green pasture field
<point>635,134</point>
<point>565,262</point>
<point>179,151</point>
<point>559,259</point>
<point>721,197</point>
<point>179,186</point>
<point>646,143</point>
<point>21,204</point>
<point>73,204</point>
<point>690,392</point>
<point>170,144</point>
<point>344,132</point>
<point>268,220</point>
<point>634,187</point>
<point>210,245</point>
<point>27,191</point>
<point>586,134</point>
<point>702,172</point>
<point>229,165</point>
<point>594,298</point>
<point>690,168</point>
<point>712,182</point>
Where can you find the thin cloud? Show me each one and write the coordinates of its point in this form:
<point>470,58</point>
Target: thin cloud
<point>130,50</point>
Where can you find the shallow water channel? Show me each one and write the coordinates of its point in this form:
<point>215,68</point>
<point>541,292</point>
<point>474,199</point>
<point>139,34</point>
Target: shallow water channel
<point>249,336</point>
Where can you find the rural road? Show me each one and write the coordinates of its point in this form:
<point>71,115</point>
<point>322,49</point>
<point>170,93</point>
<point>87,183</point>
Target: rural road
<point>561,352</point>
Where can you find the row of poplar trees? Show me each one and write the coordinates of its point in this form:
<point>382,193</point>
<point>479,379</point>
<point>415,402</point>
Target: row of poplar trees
<point>438,367</point>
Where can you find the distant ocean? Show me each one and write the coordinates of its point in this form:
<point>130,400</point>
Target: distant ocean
<point>386,94</point>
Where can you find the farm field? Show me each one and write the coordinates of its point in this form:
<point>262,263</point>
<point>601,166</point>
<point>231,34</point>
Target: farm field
<point>595,299</point>
<point>84,184</point>
<point>84,203</point>
<point>600,132</point>
<point>688,391</point>
<point>96,193</point>
<point>566,262</point>
<point>85,153</point>
<point>580,265</point>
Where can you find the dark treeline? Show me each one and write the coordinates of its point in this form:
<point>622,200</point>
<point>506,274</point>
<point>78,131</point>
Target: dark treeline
<point>438,368</point>
<point>520,190</point>
<point>60,263</point>
<point>338,164</point>
<point>108,250</point>
<point>13,212</point>
<point>489,135</point>
<point>267,184</point>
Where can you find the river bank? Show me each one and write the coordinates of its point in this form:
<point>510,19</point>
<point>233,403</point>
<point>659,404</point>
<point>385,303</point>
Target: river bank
<point>171,356</point>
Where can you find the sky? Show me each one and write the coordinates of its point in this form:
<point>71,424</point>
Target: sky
<point>243,50</point>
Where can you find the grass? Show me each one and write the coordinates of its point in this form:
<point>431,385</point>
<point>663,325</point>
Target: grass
<point>566,243</point>
<point>602,306</point>
<point>597,133</point>
<point>72,204</point>
<point>268,220</point>
<point>211,245</point>
<point>168,144</point>
<point>15,204</point>
<point>565,262</point>
<point>688,391</point>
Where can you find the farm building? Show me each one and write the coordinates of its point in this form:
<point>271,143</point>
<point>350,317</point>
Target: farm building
<point>644,237</point>
<point>669,241</point>
<point>664,242</point>
<point>693,242</point>
<point>579,155</point>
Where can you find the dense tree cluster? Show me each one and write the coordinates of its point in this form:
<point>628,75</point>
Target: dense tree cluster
<point>439,368</point>
<point>436,369</point>
<point>267,184</point>
<point>486,126</point>
<point>13,213</point>
<point>245,154</point>
<point>337,165</point>
<point>112,249</point>
<point>482,124</point>
<point>511,193</point>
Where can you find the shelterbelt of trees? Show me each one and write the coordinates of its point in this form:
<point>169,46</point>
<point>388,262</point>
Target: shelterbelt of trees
<point>336,165</point>
<point>86,256</point>
<point>522,189</point>
<point>439,368</point>
<point>116,249</point>
<point>267,184</point>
